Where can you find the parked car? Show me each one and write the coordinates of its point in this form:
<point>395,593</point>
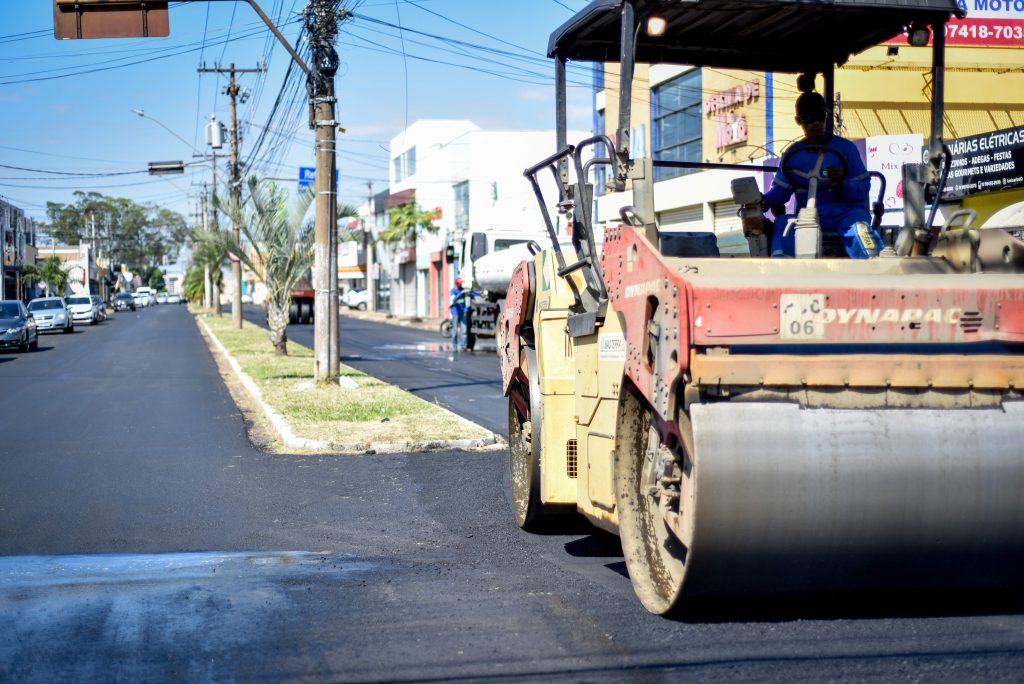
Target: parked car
<point>172,299</point>
<point>83,309</point>
<point>51,313</point>
<point>101,306</point>
<point>124,302</point>
<point>355,299</point>
<point>161,298</point>
<point>17,327</point>
<point>141,299</point>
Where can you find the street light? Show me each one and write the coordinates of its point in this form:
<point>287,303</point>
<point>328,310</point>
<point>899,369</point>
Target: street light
<point>162,125</point>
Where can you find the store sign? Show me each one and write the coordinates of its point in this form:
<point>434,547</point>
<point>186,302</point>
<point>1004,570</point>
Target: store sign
<point>986,163</point>
<point>887,154</point>
<point>730,123</point>
<point>989,23</point>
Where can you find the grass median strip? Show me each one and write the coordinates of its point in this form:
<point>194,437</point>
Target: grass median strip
<point>371,413</point>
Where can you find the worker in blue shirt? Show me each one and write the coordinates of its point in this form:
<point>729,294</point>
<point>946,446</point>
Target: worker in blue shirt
<point>842,200</point>
<point>460,314</point>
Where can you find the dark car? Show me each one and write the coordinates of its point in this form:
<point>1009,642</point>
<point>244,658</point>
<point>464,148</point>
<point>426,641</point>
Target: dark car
<point>123,302</point>
<point>17,327</point>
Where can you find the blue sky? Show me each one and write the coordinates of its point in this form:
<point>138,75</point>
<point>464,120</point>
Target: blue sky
<point>81,122</point>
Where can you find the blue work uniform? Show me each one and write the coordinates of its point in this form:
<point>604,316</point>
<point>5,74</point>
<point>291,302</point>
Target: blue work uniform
<point>460,314</point>
<point>842,207</point>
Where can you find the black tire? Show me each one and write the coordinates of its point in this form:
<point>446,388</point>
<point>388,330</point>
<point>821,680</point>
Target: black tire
<point>524,456</point>
<point>69,329</point>
<point>34,345</point>
<point>305,312</point>
<point>655,552</point>
<point>23,347</point>
<point>361,306</point>
<point>293,312</point>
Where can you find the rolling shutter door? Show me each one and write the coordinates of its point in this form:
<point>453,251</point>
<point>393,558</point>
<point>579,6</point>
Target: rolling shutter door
<point>726,218</point>
<point>685,220</point>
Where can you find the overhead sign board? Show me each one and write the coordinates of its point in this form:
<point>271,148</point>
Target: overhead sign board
<point>986,163</point>
<point>110,19</point>
<point>989,23</point>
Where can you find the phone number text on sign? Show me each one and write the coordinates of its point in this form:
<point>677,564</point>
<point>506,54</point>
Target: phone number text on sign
<point>985,32</point>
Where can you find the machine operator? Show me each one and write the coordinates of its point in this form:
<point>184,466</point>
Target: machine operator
<point>842,204</point>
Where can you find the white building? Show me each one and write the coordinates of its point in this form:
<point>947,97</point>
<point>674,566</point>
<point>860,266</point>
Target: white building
<point>474,180</point>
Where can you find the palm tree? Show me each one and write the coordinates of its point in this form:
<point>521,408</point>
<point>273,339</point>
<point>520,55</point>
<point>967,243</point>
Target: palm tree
<point>282,245</point>
<point>209,248</point>
<point>52,271</point>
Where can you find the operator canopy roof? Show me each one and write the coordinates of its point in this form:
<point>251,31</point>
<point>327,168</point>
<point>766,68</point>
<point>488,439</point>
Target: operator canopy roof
<point>766,35</point>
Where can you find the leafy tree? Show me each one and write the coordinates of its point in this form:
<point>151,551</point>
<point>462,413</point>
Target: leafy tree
<point>407,222</point>
<point>135,234</point>
<point>282,247</point>
<point>155,279</point>
<point>52,272</point>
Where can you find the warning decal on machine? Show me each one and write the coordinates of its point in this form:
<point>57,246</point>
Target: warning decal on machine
<point>802,316</point>
<point>611,347</point>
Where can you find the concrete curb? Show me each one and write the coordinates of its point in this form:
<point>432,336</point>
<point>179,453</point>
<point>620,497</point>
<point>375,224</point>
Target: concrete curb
<point>290,439</point>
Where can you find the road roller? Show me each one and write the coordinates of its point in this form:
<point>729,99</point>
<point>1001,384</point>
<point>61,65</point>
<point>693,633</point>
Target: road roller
<point>750,425</point>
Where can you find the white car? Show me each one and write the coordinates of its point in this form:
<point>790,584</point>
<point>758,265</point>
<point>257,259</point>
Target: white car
<point>141,299</point>
<point>83,309</point>
<point>161,298</point>
<point>356,299</point>
<point>51,313</point>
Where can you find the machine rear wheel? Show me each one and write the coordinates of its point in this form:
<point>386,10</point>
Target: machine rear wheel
<point>654,495</point>
<point>524,445</point>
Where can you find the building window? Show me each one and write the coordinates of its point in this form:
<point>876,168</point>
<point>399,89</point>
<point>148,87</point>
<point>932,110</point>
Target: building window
<point>404,165</point>
<point>676,123</point>
<point>461,205</point>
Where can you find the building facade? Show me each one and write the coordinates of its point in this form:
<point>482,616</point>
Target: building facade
<point>471,180</point>
<point>18,239</point>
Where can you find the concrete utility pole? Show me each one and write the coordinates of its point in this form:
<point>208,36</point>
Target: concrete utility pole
<point>207,279</point>
<point>235,189</point>
<point>368,253</point>
<point>322,17</point>
<point>216,226</point>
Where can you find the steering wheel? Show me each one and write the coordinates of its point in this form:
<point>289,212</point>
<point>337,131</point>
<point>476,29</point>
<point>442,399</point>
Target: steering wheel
<point>817,173</point>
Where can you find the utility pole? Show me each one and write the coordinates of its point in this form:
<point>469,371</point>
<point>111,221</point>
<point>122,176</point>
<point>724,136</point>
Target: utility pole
<point>235,190</point>
<point>322,18</point>
<point>368,253</point>
<point>215,278</point>
<point>207,279</point>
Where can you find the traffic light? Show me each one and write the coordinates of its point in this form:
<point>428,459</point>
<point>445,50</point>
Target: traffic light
<point>166,167</point>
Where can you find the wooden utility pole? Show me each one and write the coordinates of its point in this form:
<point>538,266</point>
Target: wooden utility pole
<point>322,18</point>
<point>235,188</point>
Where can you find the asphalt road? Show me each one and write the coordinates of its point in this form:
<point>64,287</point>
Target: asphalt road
<point>421,362</point>
<point>143,539</point>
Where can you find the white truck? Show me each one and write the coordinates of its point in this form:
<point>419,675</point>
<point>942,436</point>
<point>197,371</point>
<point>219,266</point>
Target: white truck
<point>486,262</point>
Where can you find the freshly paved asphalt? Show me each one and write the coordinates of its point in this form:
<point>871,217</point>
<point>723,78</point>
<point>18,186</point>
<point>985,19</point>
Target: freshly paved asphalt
<point>142,539</point>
